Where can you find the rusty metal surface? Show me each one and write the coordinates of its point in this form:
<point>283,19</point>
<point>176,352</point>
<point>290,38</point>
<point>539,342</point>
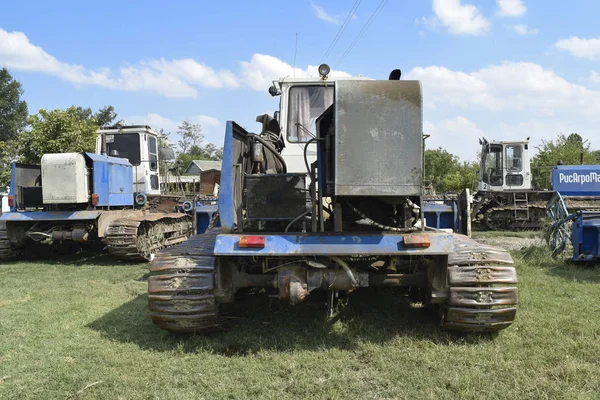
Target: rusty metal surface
<point>180,288</point>
<point>482,293</point>
<point>378,132</point>
<point>106,218</point>
<point>333,245</point>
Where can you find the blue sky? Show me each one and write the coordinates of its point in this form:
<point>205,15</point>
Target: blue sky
<point>505,69</point>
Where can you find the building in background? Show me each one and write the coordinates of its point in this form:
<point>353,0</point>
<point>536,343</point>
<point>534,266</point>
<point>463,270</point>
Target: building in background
<point>198,166</point>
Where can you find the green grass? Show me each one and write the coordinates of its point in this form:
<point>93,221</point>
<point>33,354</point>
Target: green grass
<point>519,234</point>
<point>66,326</point>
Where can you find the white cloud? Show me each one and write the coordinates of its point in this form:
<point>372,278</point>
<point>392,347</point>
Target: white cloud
<point>153,120</point>
<point>178,78</point>
<point>508,101</point>
<point>193,72</point>
<point>175,78</point>
<point>594,77</point>
<point>524,30</point>
<point>321,14</point>
<point>458,18</point>
<point>212,128</point>
<point>580,47</point>
<point>262,69</point>
<point>457,135</point>
<point>511,8</point>
<point>206,121</point>
<point>510,86</point>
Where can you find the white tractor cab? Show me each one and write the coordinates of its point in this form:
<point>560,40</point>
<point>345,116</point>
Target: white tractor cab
<point>504,166</point>
<point>302,101</point>
<point>138,144</point>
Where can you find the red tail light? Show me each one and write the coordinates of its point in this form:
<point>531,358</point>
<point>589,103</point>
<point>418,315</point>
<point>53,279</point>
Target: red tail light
<point>256,242</point>
<point>95,199</point>
<point>11,201</point>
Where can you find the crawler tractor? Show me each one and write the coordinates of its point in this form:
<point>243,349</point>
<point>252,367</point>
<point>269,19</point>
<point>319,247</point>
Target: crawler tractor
<point>506,199</point>
<point>327,198</point>
<point>111,196</point>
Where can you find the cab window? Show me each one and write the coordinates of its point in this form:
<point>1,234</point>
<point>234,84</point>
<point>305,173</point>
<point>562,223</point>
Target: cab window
<point>492,173</point>
<point>305,104</point>
<point>152,151</point>
<point>514,158</point>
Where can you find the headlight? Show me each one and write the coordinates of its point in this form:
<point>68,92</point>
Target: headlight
<point>324,70</point>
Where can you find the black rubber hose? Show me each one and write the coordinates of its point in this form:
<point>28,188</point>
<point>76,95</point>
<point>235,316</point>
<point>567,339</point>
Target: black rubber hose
<point>272,150</point>
<point>306,156</point>
<point>298,218</point>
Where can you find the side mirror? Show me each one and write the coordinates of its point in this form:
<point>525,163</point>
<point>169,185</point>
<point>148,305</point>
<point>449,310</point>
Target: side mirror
<point>166,154</point>
<point>273,91</point>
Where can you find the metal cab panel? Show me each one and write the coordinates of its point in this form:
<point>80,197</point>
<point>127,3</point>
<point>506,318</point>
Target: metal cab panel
<point>378,133</point>
<point>65,179</point>
<point>112,180</point>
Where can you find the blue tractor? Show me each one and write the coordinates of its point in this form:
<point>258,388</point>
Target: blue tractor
<point>111,196</point>
<point>327,199</point>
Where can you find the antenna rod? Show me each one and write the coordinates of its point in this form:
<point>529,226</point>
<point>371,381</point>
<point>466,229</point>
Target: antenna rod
<point>295,52</point>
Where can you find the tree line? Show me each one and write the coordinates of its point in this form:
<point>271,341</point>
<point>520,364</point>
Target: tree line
<point>25,138</point>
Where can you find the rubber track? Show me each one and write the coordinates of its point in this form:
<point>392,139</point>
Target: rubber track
<point>125,237</point>
<point>180,286</point>
<point>6,252</point>
<point>482,288</point>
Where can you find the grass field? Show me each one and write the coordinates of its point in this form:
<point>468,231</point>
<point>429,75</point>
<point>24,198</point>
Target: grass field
<point>521,234</point>
<point>79,329</point>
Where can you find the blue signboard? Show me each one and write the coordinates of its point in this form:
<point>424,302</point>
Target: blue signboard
<point>576,180</point>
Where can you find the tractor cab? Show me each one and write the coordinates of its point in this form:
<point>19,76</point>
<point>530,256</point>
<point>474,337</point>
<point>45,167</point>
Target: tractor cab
<point>504,166</point>
<point>139,145</point>
<point>302,101</point>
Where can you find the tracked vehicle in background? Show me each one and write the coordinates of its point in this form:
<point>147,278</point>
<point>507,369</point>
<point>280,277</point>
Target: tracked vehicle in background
<point>112,196</point>
<point>506,199</point>
<point>327,198</point>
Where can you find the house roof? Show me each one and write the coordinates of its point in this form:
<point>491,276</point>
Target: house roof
<point>205,165</point>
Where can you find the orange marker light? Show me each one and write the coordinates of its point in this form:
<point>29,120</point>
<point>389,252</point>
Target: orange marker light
<point>416,241</point>
<point>95,199</point>
<point>255,242</point>
<point>11,201</point>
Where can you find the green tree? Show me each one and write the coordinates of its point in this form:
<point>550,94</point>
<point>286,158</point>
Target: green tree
<point>13,110</point>
<point>446,173</point>
<point>438,163</point>
<point>103,117</point>
<point>56,131</point>
<point>191,135</point>
<point>566,149</point>
<point>8,154</point>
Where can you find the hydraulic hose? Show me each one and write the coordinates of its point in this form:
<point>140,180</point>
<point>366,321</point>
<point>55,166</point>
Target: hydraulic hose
<point>298,218</point>
<point>346,268</point>
<point>272,150</point>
